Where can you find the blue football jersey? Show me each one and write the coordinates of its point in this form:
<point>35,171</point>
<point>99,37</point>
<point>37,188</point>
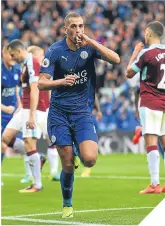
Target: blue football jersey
<point>9,80</point>
<point>60,61</point>
<point>91,93</point>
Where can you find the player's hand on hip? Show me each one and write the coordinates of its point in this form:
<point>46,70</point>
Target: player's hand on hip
<point>138,47</point>
<point>69,80</point>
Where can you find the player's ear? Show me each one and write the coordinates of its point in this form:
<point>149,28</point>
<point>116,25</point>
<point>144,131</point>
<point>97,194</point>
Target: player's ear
<point>65,30</point>
<point>150,32</point>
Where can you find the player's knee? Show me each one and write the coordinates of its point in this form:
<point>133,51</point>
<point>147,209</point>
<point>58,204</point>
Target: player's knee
<point>68,166</point>
<point>6,139</point>
<point>89,161</point>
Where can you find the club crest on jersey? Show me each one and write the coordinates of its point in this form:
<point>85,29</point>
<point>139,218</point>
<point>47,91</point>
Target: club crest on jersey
<point>16,77</point>
<point>53,138</point>
<point>45,62</point>
<point>84,54</point>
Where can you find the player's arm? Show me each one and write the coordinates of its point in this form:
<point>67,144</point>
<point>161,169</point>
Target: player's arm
<point>107,54</point>
<point>45,83</point>
<point>7,109</point>
<point>47,71</point>
<point>19,103</point>
<point>33,71</point>
<point>130,72</point>
<point>34,97</point>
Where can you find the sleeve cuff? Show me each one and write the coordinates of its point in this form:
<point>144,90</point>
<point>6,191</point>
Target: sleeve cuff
<point>135,68</point>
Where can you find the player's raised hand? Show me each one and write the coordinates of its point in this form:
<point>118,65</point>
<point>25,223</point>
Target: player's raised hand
<point>138,47</point>
<point>69,80</point>
<point>82,40</point>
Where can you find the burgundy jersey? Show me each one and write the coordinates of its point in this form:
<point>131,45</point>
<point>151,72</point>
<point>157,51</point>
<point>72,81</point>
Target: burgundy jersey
<point>30,74</point>
<point>151,65</point>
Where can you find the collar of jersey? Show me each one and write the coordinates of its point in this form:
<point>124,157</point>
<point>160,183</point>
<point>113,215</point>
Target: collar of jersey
<point>161,46</point>
<point>65,46</point>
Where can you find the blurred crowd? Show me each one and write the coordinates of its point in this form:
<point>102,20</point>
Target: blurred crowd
<point>117,24</point>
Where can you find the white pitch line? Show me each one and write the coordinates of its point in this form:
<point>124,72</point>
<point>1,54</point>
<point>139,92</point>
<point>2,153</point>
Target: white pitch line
<point>91,177</point>
<point>79,211</point>
<point>51,221</point>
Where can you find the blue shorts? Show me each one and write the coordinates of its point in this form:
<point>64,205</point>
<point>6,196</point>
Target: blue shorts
<point>66,128</point>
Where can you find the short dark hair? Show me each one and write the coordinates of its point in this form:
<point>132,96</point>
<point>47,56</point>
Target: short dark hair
<point>71,15</point>
<point>15,44</point>
<point>157,27</point>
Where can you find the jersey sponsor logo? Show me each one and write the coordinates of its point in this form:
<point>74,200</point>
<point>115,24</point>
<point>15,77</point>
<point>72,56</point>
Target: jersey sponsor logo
<point>45,62</point>
<point>81,77</point>
<point>8,92</point>
<point>16,77</point>
<point>53,138</point>
<point>84,54</point>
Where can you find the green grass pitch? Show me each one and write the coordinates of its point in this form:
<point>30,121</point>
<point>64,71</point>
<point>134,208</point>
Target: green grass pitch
<point>109,197</point>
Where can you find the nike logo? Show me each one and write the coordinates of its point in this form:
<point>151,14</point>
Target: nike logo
<point>65,58</point>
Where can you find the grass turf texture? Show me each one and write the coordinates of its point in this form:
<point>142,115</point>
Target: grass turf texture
<point>94,193</point>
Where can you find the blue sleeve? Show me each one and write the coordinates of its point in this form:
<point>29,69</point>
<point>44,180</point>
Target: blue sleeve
<point>96,54</point>
<point>49,62</point>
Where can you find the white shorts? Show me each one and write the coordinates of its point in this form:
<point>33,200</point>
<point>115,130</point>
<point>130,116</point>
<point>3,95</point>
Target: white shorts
<point>152,121</point>
<point>19,120</point>
<point>44,129</point>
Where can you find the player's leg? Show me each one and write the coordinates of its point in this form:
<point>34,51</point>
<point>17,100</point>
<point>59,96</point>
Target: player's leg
<point>86,139</point>
<point>88,152</point>
<point>76,156</point>
<point>163,146</point>
<point>60,135</point>
<point>7,137</point>
<point>52,153</point>
<point>151,125</point>
<point>19,147</point>
<point>30,139</point>
<point>162,138</point>
<point>67,174</point>
<point>53,156</point>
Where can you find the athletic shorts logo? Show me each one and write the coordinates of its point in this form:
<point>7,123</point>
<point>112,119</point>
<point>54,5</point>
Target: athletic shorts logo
<point>16,77</point>
<point>84,54</point>
<point>53,139</point>
<point>45,62</point>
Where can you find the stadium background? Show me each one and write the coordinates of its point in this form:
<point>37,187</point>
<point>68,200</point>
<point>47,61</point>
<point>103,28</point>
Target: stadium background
<point>118,25</point>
